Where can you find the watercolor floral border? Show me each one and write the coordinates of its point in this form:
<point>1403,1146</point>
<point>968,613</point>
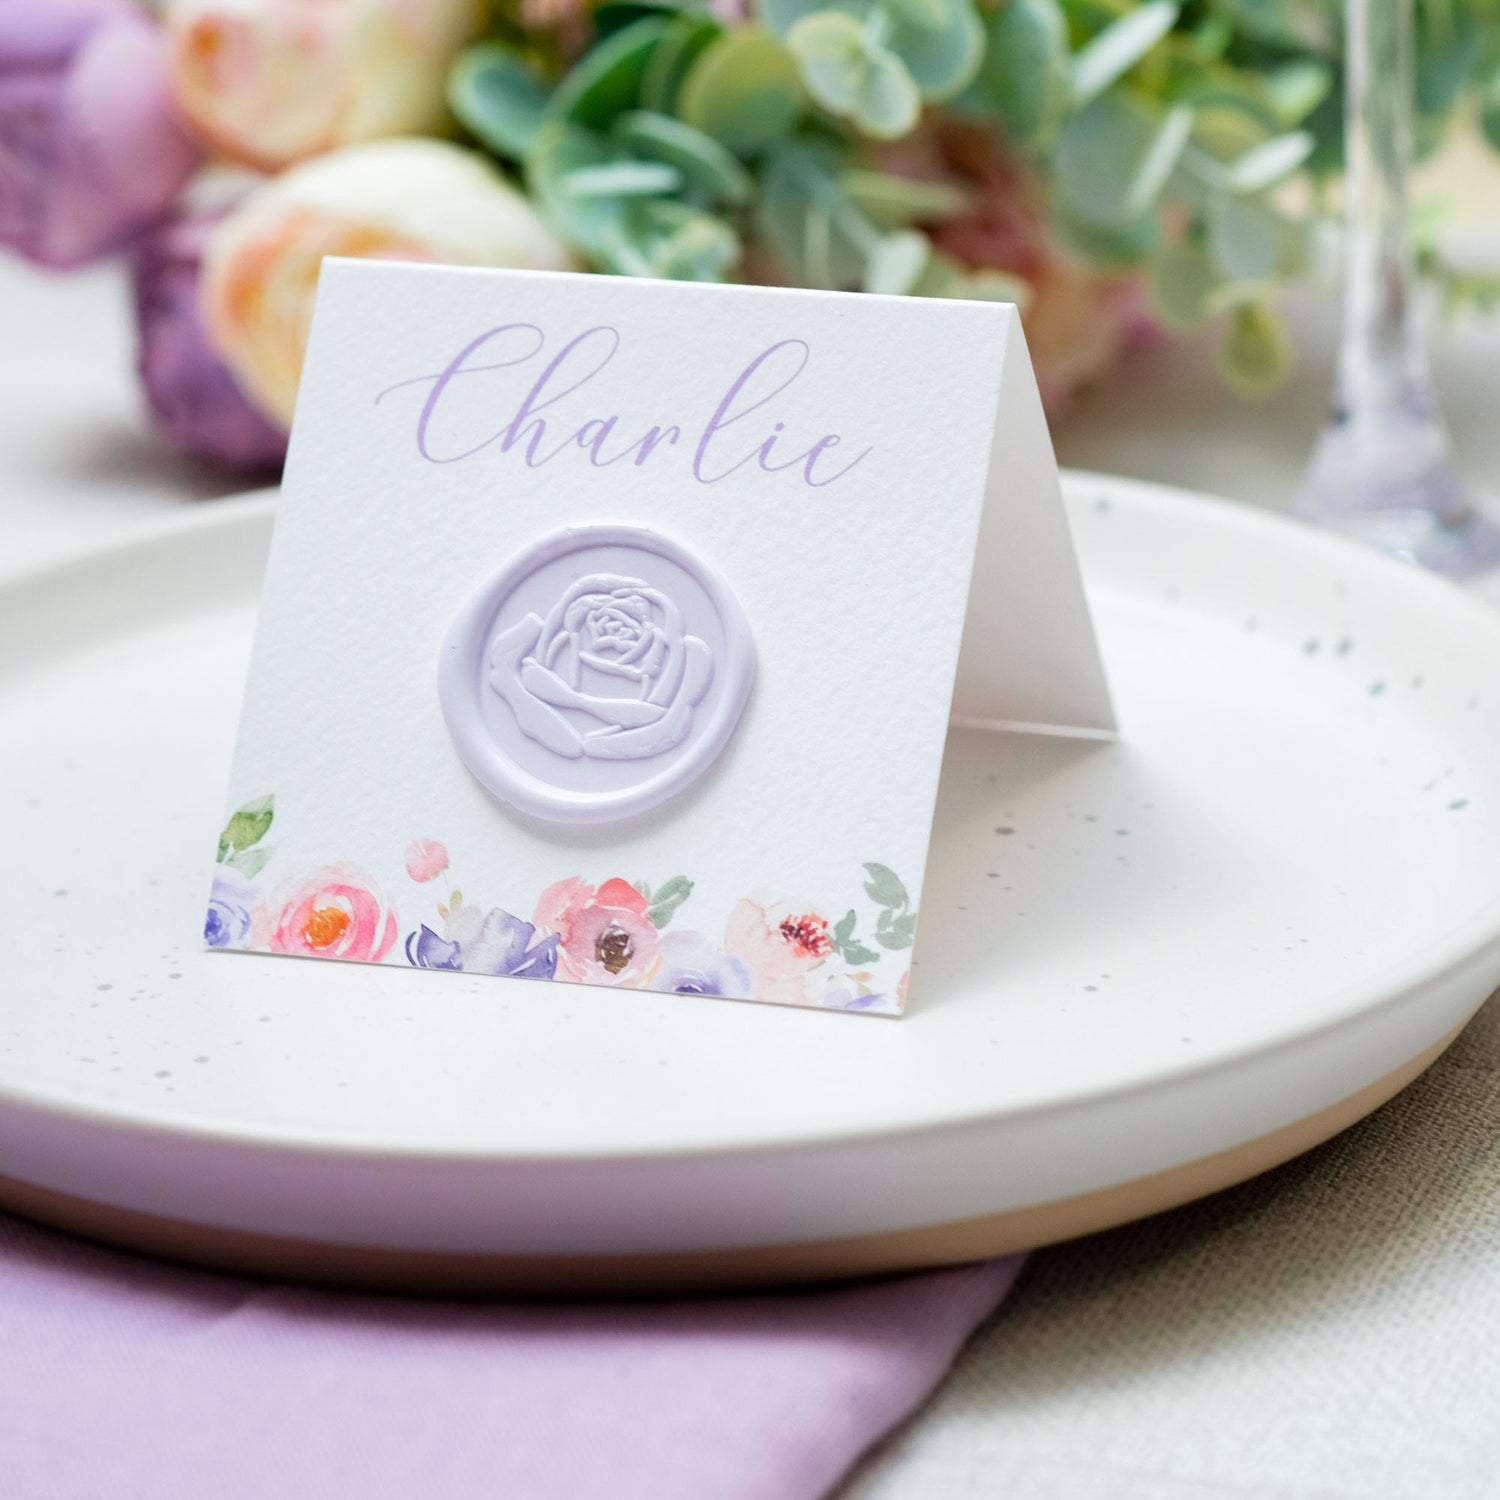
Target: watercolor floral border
<point>612,934</point>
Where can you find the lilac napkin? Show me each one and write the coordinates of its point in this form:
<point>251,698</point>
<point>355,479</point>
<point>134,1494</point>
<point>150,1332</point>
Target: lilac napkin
<point>126,1378</point>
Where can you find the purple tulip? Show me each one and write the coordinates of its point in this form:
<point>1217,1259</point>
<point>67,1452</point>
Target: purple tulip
<point>194,399</point>
<point>90,148</point>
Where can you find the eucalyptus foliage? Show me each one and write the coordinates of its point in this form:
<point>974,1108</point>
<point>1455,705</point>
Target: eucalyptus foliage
<point>1189,141</point>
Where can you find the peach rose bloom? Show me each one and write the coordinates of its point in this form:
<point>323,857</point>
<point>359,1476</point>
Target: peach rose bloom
<point>415,200</point>
<point>270,82</point>
<point>337,912</point>
<point>788,950</point>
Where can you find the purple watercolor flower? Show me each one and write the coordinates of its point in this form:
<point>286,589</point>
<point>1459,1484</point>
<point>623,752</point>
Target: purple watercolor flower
<point>91,150</point>
<point>426,950</point>
<point>690,965</point>
<point>491,942</point>
<point>194,399</point>
<point>227,924</point>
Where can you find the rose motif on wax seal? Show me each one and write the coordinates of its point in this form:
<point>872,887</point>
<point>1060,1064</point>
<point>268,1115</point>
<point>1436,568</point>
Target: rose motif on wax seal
<point>598,674</point>
<point>613,649</point>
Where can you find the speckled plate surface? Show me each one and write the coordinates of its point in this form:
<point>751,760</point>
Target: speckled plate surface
<point>1281,886</point>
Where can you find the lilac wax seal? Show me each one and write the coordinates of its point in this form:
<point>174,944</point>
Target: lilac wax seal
<point>599,673</point>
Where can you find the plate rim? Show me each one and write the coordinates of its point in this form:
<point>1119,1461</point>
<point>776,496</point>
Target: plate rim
<point>1472,944</point>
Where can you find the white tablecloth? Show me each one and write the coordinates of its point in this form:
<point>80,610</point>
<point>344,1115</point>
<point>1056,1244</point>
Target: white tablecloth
<point>1330,1331</point>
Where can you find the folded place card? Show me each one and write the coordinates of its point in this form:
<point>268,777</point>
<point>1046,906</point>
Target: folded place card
<point>612,629</point>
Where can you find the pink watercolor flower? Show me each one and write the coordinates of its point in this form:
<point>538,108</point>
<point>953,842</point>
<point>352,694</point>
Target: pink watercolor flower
<point>787,949</point>
<point>606,936</point>
<point>337,912</point>
<point>426,859</point>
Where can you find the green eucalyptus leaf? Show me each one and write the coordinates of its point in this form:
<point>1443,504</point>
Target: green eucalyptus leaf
<point>1158,162</point>
<point>685,38</point>
<point>1256,355</point>
<point>1248,241</point>
<point>606,80</point>
<point>611,179</point>
<point>1113,52</point>
<point>1182,280</point>
<point>851,75</point>
<point>781,15</point>
<point>892,202</point>
<point>706,167</point>
<point>1100,153</point>
<point>897,263</point>
<point>931,15</point>
<point>942,54</point>
<point>1270,163</point>
<point>995,286</point>
<point>1489,109</point>
<point>559,151</point>
<point>1024,74</point>
<point>1109,247</point>
<point>678,242</point>
<point>810,225</point>
<point>1296,88</point>
<point>743,90</point>
<point>615,15</point>
<point>498,97</point>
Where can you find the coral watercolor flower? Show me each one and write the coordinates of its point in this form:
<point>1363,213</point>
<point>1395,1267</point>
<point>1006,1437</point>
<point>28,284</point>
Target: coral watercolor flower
<point>785,948</point>
<point>605,935</point>
<point>337,912</point>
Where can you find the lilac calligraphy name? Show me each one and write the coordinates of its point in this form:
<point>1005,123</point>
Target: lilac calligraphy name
<point>558,415</point>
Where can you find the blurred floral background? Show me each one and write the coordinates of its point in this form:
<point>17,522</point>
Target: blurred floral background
<point>1123,171</point>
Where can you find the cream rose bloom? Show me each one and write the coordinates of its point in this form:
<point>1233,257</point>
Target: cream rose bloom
<point>269,82</point>
<point>421,200</point>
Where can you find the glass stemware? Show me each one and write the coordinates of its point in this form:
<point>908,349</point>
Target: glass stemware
<point>1382,469</point>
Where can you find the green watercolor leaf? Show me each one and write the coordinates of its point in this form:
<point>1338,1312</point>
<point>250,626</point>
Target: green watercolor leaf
<point>668,899</point>
<point>844,928</point>
<point>895,931</point>
<point>855,952</point>
<point>247,827</point>
<point>884,887</point>
<point>250,862</point>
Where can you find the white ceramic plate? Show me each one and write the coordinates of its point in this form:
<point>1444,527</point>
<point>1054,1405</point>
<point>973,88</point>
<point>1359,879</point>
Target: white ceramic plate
<point>1282,885</point>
